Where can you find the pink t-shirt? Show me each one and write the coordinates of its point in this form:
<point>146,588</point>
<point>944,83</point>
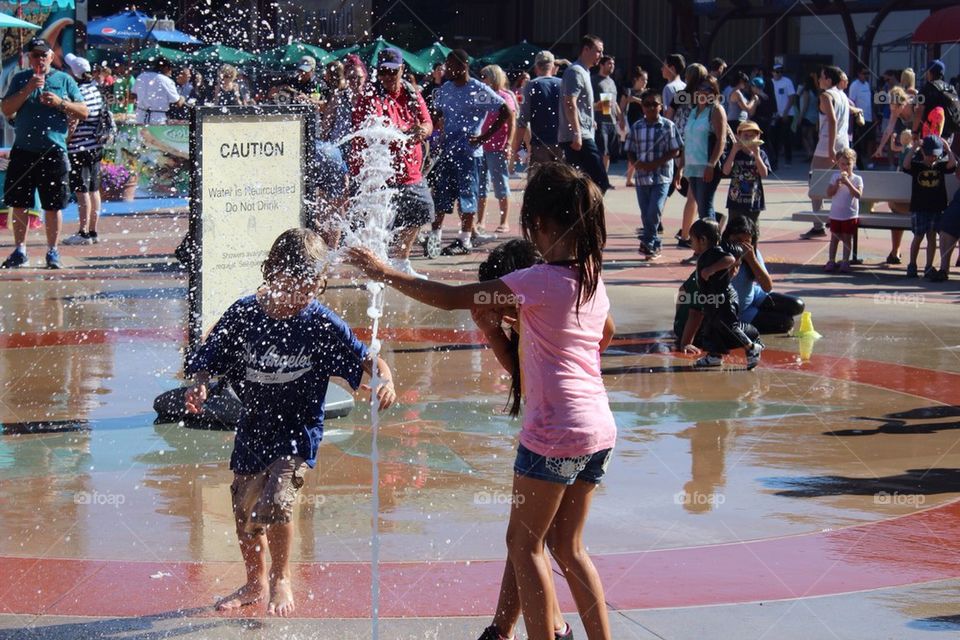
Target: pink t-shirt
<point>498,141</point>
<point>566,412</point>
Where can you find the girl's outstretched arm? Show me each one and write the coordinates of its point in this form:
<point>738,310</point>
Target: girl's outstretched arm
<point>436,294</point>
<point>609,329</point>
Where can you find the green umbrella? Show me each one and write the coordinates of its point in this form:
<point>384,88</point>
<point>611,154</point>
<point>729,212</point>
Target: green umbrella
<point>289,55</point>
<point>369,52</point>
<point>223,54</point>
<point>9,22</point>
<point>519,56</point>
<point>437,52</point>
<point>151,54</point>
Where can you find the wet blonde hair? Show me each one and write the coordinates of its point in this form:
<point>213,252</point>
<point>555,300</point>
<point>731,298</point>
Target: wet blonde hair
<point>299,254</point>
<point>850,154</point>
<point>908,78</point>
<point>228,72</point>
<point>496,76</point>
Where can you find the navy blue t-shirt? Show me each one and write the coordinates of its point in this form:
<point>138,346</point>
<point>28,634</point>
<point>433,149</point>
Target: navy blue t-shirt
<point>280,370</point>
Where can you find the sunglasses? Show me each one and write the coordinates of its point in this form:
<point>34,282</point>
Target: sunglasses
<point>388,72</point>
<point>37,54</point>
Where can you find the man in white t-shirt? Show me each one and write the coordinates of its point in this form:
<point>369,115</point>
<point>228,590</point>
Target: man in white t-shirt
<point>156,92</point>
<point>780,137</point>
<point>672,71</point>
<point>862,98</point>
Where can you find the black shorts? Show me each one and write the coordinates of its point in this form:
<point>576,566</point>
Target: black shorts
<point>85,171</point>
<point>45,172</point>
<point>607,138</point>
<point>414,206</point>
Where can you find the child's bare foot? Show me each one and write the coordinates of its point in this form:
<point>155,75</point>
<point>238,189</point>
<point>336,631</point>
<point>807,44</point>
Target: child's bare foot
<point>281,598</point>
<point>248,594</point>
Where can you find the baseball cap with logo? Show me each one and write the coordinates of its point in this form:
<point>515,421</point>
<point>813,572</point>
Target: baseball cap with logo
<point>307,63</point>
<point>37,44</point>
<point>932,146</point>
<point>390,58</point>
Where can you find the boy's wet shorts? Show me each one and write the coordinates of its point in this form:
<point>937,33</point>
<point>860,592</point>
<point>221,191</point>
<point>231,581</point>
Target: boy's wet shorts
<point>267,497</point>
<point>923,222</point>
<point>589,468</point>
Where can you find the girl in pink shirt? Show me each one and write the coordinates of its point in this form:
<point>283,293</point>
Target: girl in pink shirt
<point>568,429</point>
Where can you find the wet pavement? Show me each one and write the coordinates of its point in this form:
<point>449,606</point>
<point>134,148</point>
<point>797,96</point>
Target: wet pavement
<point>808,498</point>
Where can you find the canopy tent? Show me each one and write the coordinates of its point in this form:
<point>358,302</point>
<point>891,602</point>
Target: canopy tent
<point>223,54</point>
<point>132,25</point>
<point>519,56</point>
<point>368,53</point>
<point>289,55</point>
<point>940,27</point>
<point>152,54</point>
<point>9,22</point>
<point>437,52</point>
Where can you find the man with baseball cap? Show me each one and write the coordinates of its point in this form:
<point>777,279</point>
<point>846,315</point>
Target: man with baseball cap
<point>40,100</point>
<point>397,100</point>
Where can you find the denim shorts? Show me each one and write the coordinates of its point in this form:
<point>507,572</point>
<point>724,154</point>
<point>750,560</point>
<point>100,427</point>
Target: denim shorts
<point>589,468</point>
<point>494,165</point>
<point>455,183</point>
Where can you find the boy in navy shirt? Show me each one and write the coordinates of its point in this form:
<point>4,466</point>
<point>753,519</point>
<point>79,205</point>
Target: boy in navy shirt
<point>278,349</point>
<point>721,325</point>
<point>747,165</point>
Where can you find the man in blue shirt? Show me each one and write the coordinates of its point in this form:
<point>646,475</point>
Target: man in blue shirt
<point>462,103</point>
<point>40,100</point>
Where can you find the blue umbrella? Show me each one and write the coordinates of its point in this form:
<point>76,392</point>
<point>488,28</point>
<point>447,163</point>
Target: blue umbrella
<point>131,25</point>
<point>9,22</point>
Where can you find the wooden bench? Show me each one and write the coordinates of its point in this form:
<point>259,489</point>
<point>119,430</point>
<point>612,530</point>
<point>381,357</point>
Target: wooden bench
<point>878,186</point>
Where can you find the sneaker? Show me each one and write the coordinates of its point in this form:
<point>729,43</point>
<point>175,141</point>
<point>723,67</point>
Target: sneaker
<point>645,249</point>
<point>753,355</point>
<point>939,276</point>
<point>678,235</point>
<point>815,232</point>
<point>403,266</point>
<point>845,267</point>
<point>94,238</point>
<point>927,272</point>
<point>684,244</point>
<point>660,228</point>
<point>16,260</point>
<point>491,633</point>
<point>709,361</point>
<point>892,259</point>
<point>566,634</point>
<point>53,259</point>
<point>911,270</point>
<point>480,236</point>
<point>456,248</point>
<point>830,267</point>
<point>431,246</point>
<point>81,237</point>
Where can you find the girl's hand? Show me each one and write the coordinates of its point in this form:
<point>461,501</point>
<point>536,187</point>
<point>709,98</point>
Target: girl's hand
<point>367,261</point>
<point>487,319</point>
<point>386,394</point>
<point>196,396</point>
<point>691,350</point>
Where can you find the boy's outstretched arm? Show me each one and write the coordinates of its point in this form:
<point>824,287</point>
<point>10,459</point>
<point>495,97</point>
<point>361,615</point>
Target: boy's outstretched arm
<point>436,294</point>
<point>386,392</point>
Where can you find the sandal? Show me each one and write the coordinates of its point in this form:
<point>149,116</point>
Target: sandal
<point>502,229</point>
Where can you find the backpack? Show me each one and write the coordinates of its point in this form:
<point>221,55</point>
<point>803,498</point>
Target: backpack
<point>951,107</point>
<point>106,127</point>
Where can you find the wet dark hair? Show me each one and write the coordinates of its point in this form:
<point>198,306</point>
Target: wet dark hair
<point>832,72</point>
<point>566,198</point>
<point>742,225</point>
<point>508,257</point>
<point>677,62</point>
<point>297,253</point>
<point>706,229</point>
